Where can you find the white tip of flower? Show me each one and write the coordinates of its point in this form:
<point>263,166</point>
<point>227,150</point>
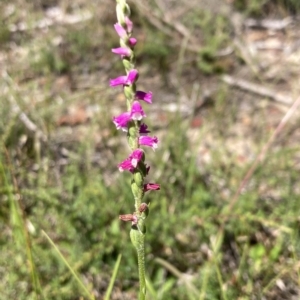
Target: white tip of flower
<point>134,162</point>
<point>137,116</point>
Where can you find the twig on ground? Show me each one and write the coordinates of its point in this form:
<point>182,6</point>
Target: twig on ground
<point>160,22</point>
<point>257,89</point>
<point>53,16</point>
<point>228,210</point>
<point>261,156</point>
<point>269,24</point>
<point>246,55</point>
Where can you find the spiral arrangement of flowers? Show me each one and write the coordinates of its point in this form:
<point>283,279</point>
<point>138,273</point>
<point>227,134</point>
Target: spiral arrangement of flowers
<point>132,122</point>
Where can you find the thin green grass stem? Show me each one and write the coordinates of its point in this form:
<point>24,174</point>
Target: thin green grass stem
<point>204,281</point>
<point>220,279</point>
<point>192,291</point>
<point>88,293</point>
<point>113,278</point>
<point>150,288</point>
<point>21,234</point>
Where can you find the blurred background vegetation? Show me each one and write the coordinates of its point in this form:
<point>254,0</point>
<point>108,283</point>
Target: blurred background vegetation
<point>223,75</point>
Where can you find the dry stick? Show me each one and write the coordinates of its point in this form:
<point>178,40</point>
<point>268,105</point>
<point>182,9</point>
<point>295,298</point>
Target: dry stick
<point>269,24</point>
<point>50,20</point>
<point>161,21</point>
<point>246,55</point>
<point>258,160</point>
<point>261,156</point>
<point>257,89</point>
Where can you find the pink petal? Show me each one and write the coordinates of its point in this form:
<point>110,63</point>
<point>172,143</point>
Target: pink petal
<point>147,97</point>
<point>120,30</point>
<point>137,112</point>
<point>121,51</point>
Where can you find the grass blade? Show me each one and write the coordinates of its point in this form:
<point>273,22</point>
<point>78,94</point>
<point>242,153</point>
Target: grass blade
<point>113,278</point>
<point>88,293</point>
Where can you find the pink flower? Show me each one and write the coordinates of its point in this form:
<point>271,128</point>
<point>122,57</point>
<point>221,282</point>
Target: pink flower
<point>132,76</point>
<point>149,141</point>
<point>136,156</point>
<point>122,120</point>
<point>129,24</point>
<point>126,165</point>
<point>125,80</point>
<point>122,51</point>
<point>151,187</point>
<point>147,97</point>
<point>137,112</point>
<point>118,81</point>
<point>120,31</point>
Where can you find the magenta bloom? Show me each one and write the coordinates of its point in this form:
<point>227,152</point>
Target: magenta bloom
<point>132,76</point>
<point>151,187</point>
<point>129,24</point>
<point>144,129</point>
<point>122,120</point>
<point>149,141</point>
<point>125,80</point>
<point>126,165</point>
<point>118,81</point>
<point>120,31</point>
<point>136,156</point>
<point>121,51</point>
<point>147,97</point>
<point>132,41</point>
<point>137,112</point>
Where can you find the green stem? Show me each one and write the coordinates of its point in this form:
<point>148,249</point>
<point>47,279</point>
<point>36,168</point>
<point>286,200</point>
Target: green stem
<point>141,266</point>
<point>138,240</point>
